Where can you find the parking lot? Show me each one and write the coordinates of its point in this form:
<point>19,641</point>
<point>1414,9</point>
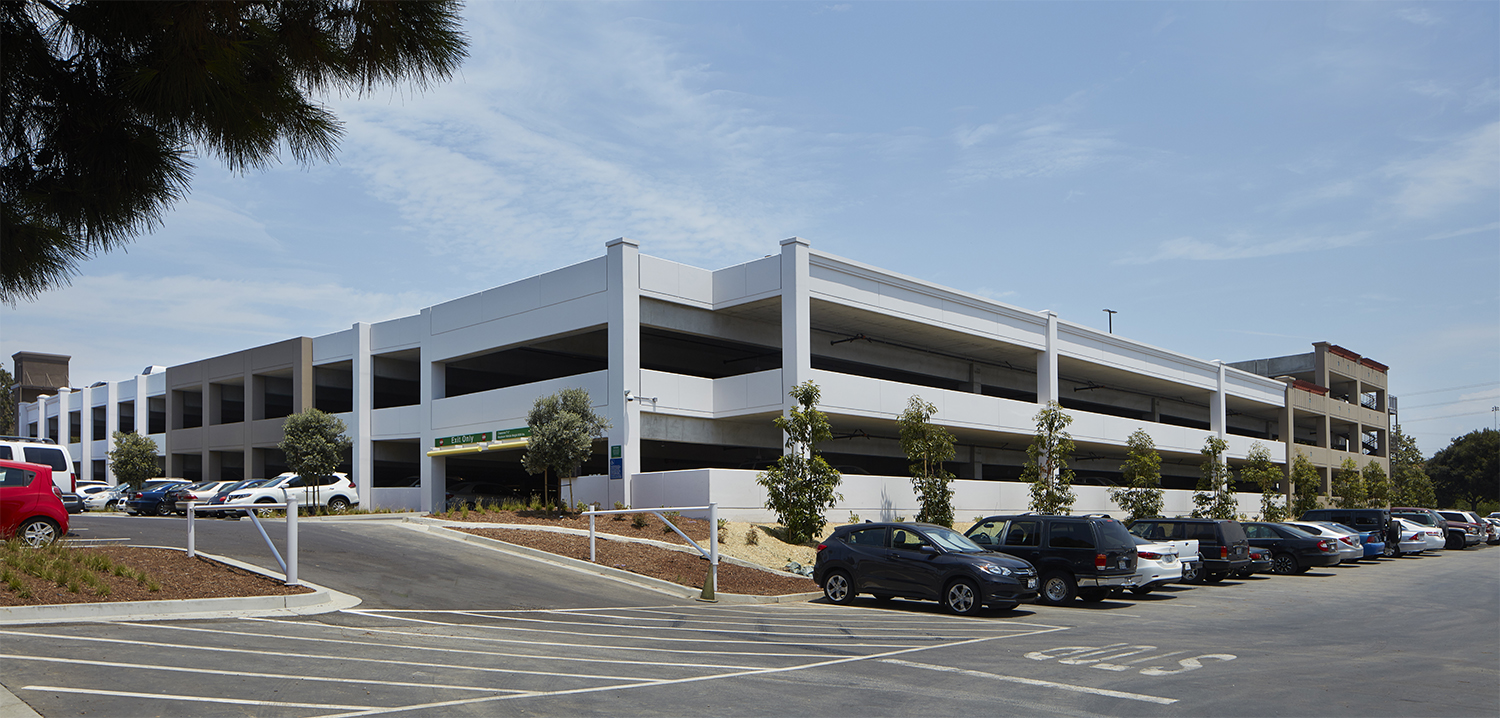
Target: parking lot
<point>1413,636</point>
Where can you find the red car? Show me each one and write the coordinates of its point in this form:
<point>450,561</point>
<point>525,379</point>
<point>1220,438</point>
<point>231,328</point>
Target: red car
<point>31,507</point>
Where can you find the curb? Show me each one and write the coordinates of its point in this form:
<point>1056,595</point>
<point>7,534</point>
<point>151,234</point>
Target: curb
<point>653,584</point>
<point>321,600</point>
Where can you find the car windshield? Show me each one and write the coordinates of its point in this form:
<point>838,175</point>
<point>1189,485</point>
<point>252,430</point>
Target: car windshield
<point>1345,528</point>
<point>1297,532</point>
<point>951,540</point>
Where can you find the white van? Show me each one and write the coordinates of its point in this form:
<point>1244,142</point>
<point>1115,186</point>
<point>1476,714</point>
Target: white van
<point>45,452</point>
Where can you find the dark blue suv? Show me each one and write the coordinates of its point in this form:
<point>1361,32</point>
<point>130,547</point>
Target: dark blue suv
<point>920,561</point>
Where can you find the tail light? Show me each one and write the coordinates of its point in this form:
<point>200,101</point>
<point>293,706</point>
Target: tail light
<point>56,491</point>
<point>1100,560</point>
<point>822,546</point>
<point>1223,552</point>
<point>1324,546</point>
<point>1149,555</point>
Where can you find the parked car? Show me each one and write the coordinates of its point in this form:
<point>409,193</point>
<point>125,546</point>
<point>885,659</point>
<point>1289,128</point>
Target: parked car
<point>1376,521</point>
<point>1494,529</point>
<point>1156,566</point>
<point>1459,521</point>
<point>1372,543</point>
<point>1453,537</point>
<point>1221,542</point>
<point>1292,549</point>
<point>45,452</point>
<point>196,493</point>
<point>920,561</point>
<point>31,508</point>
<point>1485,532</point>
<point>1415,538</point>
<point>73,503</point>
<point>336,492</point>
<point>96,496</point>
<point>1260,562</point>
<point>1345,540</point>
<point>1075,556</point>
<point>152,500</point>
<point>223,494</point>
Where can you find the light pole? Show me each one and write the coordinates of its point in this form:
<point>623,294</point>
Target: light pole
<point>1111,314</point>
<point>1495,415</point>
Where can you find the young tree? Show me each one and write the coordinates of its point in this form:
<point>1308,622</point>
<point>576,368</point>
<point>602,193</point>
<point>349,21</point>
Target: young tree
<point>1047,460</point>
<point>1306,485</point>
<point>927,446</point>
<point>133,460</point>
<point>1410,485</point>
<point>1348,486</point>
<point>1141,497</point>
<point>107,105</point>
<point>1214,498</point>
<point>801,485</point>
<point>7,404</point>
<point>315,445</point>
<point>1468,471</point>
<point>563,428</point>
<point>1268,476</point>
<point>1377,486</point>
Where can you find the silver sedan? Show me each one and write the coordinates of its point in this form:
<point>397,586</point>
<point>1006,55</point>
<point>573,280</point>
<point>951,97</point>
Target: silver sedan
<point>1350,549</point>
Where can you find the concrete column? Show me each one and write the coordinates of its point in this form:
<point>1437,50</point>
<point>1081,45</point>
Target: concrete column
<point>976,462</point>
<point>1218,413</point>
<point>433,386</point>
<point>624,277</point>
<point>1046,362</point>
<point>796,317</point>
<point>362,455</point>
<point>85,455</point>
<point>64,425</point>
<point>1155,410</point>
<point>976,379</point>
<point>143,418</point>
<point>111,425</point>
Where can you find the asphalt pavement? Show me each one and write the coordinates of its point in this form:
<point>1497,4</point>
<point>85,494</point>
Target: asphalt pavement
<point>451,629</point>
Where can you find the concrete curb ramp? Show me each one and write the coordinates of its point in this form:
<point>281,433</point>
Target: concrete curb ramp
<point>321,600</point>
<point>439,528</point>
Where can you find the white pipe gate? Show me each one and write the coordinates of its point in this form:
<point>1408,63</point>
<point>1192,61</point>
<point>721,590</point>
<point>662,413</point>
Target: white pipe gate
<point>288,566</point>
<point>711,587</point>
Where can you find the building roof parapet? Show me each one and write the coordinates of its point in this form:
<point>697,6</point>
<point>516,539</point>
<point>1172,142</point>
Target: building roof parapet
<point>1309,387</point>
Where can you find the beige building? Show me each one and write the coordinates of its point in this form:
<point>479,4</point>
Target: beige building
<point>1336,408</point>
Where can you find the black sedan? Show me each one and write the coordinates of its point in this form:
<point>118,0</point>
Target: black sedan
<point>920,561</point>
<point>1292,550</point>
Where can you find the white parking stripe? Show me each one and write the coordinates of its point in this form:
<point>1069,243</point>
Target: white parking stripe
<point>672,639</point>
<point>401,647</point>
<point>1034,682</point>
<point>696,679</point>
<point>517,619</point>
<point>811,621</point>
<point>196,699</point>
<point>451,666</point>
<point>249,674</point>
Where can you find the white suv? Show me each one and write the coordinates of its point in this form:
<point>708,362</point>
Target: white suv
<point>337,493</point>
<point>46,453</point>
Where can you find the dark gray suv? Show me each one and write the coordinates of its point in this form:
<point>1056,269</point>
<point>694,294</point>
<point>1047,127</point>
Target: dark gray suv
<point>1076,556</point>
<point>1221,542</point>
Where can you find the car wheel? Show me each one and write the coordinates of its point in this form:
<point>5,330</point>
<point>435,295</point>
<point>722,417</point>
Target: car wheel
<point>962,597</point>
<point>37,532</point>
<point>838,588</point>
<point>1214,577</point>
<point>1191,573</point>
<point>264,513</point>
<point>338,505</point>
<point>1058,588</point>
<point>1093,595</point>
<point>1142,590</point>
<point>163,508</point>
<point>1284,564</point>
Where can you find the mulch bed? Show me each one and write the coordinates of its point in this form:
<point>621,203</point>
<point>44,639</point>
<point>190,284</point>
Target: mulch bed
<point>665,564</point>
<point>179,577</point>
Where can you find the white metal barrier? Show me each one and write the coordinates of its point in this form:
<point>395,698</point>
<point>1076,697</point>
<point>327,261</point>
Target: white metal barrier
<point>289,565</point>
<point>712,554</point>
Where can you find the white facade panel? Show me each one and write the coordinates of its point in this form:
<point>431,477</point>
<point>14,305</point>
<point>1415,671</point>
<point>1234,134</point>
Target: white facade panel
<point>579,280</point>
<point>488,410</point>
<point>1108,350</point>
<point>329,348</point>
<point>676,282</point>
<point>746,282</point>
<point>397,422</point>
<point>726,397</point>
<point>396,334</point>
<point>1255,387</point>
<point>571,316</point>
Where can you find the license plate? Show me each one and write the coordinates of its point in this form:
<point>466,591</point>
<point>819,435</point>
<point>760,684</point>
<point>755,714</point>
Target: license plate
<point>1031,583</point>
<point>1124,562</point>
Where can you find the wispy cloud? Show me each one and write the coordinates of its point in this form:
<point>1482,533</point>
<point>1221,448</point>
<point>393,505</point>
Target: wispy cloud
<point>1242,247</point>
<point>547,152</point>
<point>1466,231</point>
<point>1043,143</point>
<point>1418,16</point>
<point>1464,170</point>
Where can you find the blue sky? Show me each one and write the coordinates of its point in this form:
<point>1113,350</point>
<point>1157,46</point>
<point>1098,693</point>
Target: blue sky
<point>1237,180</point>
